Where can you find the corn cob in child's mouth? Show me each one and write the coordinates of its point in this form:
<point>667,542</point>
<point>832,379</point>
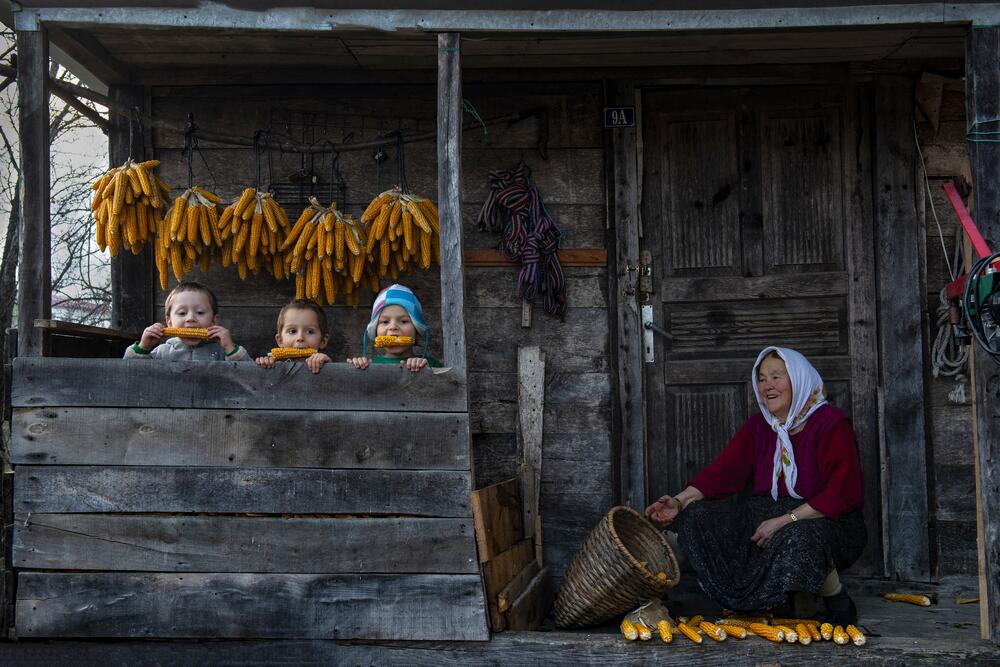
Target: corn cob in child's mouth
<point>393,341</point>
<point>279,353</point>
<point>184,332</point>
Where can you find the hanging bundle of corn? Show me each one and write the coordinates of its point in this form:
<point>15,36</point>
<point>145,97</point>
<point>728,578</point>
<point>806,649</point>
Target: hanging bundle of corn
<point>406,230</point>
<point>253,229</point>
<point>325,252</point>
<point>188,234</point>
<point>127,204</point>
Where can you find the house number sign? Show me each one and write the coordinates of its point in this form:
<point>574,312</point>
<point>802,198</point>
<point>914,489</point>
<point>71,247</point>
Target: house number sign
<point>619,117</point>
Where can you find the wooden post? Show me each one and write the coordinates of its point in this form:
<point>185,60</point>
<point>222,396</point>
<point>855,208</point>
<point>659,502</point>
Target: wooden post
<point>34,280</point>
<point>530,416</point>
<point>449,153</point>
<point>982,109</point>
<point>131,283</point>
<point>631,400</point>
<point>904,442</point>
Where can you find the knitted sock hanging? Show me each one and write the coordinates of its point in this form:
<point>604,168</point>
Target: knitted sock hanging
<point>514,207</point>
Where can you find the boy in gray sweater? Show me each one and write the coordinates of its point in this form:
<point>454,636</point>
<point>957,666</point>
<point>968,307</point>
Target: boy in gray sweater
<point>189,305</point>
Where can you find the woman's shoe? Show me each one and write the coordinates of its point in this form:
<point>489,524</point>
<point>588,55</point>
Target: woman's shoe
<point>840,609</point>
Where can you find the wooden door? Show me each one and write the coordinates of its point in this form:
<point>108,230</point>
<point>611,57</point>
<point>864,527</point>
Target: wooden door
<point>756,210</point>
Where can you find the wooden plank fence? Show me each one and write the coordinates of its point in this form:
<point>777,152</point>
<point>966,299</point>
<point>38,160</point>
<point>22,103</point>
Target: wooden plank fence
<point>223,500</point>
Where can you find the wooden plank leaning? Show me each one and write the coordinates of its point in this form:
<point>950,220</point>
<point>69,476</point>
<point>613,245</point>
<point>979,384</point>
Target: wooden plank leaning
<point>530,414</point>
<point>496,511</point>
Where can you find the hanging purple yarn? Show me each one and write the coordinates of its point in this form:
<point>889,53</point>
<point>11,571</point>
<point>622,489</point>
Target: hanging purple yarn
<point>514,207</point>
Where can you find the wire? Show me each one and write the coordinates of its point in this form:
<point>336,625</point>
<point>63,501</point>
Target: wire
<point>973,308</point>
<point>927,186</point>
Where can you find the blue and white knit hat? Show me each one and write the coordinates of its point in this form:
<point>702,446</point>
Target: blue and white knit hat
<point>396,295</point>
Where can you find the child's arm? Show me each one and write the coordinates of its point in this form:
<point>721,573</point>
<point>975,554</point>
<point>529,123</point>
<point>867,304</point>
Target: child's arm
<point>361,363</point>
<point>316,361</point>
<point>265,362</point>
<point>151,337</point>
<point>233,351</point>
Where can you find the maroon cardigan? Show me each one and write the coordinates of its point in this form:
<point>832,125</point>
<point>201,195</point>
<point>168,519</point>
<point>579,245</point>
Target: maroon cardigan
<point>826,455</point>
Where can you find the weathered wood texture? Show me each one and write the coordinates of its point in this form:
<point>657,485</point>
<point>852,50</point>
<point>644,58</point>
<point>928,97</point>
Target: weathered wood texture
<point>449,149</point>
<point>982,110</point>
<point>531,607</point>
<point>631,416</point>
<point>531,416</point>
<point>34,280</point>
<point>496,511</point>
<point>243,544</point>
<point>904,460</point>
<point>229,385</point>
<point>131,275</point>
<point>500,571</point>
<point>577,414</point>
<point>240,438</point>
<point>122,604</point>
<point>101,489</point>
<point>951,470</point>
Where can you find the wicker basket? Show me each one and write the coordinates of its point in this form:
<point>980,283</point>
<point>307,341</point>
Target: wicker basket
<point>615,570</point>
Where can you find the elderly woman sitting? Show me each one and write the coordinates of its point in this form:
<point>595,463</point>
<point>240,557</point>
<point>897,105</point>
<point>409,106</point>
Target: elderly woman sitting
<point>802,520</point>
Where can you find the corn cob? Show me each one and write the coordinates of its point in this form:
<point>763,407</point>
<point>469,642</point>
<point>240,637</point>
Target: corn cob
<point>644,633</point>
<point>392,341</point>
<point>713,631</point>
<point>792,622</point>
<point>666,632</point>
<point>185,332</point>
<point>695,620</point>
<point>814,633</point>
<point>768,632</point>
<point>734,622</point>
<point>279,353</point>
<point>689,632</point>
<point>124,212</point>
<point>827,631</point>
<point>734,631</point>
<point>856,636</point>
<point>629,630</point>
<point>839,636</point>
<point>919,600</point>
<point>791,636</point>
<point>805,637</point>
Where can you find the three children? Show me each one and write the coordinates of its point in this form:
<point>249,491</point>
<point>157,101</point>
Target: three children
<point>302,324</point>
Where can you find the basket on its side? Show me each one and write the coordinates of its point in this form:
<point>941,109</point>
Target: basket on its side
<point>615,570</point>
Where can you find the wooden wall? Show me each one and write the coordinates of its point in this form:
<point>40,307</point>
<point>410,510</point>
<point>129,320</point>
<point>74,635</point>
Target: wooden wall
<point>577,485</point>
<point>951,474</point>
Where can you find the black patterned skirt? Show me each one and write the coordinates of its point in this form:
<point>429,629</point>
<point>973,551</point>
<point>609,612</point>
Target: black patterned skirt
<point>739,575</point>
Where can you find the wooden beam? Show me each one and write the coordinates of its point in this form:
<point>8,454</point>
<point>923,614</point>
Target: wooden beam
<point>131,275</point>
<point>84,48</point>
<point>34,281</point>
<point>982,108</point>
<point>530,417</point>
<point>903,441</point>
<point>449,147</point>
<point>579,257</point>
<point>628,333</point>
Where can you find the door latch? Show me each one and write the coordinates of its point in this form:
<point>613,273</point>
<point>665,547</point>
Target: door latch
<point>639,276</point>
<point>649,328</point>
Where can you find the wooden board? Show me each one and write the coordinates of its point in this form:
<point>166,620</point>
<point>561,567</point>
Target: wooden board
<point>240,438</point>
<point>243,544</point>
<point>530,608</point>
<point>498,572</point>
<point>531,419</point>
<point>903,461</point>
<point>250,605</point>
<point>496,511</point>
<point>88,489</point>
<point>516,586</point>
<point>143,383</point>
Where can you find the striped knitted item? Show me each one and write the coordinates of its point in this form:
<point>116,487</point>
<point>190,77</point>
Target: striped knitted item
<point>396,295</point>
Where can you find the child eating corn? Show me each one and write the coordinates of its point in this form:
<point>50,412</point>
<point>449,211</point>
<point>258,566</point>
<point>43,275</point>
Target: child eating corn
<point>302,334</point>
<point>190,306</point>
<point>397,319</point>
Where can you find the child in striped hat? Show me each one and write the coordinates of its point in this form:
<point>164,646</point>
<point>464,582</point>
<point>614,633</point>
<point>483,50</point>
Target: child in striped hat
<point>396,316</point>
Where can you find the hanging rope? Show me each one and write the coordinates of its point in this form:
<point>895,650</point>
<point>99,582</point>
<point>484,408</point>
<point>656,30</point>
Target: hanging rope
<point>514,207</point>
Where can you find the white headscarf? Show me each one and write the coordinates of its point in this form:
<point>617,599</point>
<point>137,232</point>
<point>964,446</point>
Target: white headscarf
<point>808,396</point>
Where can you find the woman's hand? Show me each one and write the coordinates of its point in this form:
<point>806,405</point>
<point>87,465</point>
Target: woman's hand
<point>664,510</point>
<point>766,530</point>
